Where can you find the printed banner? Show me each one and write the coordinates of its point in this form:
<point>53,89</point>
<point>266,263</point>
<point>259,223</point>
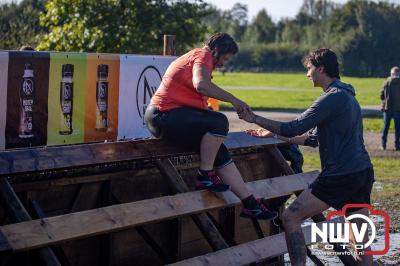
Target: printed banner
<point>66,101</point>
<point>3,97</point>
<point>27,92</point>
<point>140,77</point>
<point>102,85</point>
<point>67,98</point>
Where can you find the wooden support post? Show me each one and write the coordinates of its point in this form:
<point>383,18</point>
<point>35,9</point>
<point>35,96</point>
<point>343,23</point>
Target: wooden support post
<point>175,250</point>
<point>229,240</point>
<point>38,211</point>
<point>17,213</point>
<point>205,225</point>
<point>154,245</point>
<point>226,217</point>
<point>106,240</point>
<point>87,198</point>
<point>165,256</point>
<point>169,45</point>
<point>280,160</point>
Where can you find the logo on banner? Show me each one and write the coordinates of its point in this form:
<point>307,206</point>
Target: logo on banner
<point>149,80</point>
<point>338,233</point>
<point>66,91</point>
<point>27,87</point>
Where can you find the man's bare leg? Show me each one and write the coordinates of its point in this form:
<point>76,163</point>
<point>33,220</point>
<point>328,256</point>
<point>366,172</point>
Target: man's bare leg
<point>305,206</point>
<point>361,259</point>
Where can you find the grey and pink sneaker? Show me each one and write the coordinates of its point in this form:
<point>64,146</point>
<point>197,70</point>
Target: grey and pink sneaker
<point>211,181</point>
<point>258,211</point>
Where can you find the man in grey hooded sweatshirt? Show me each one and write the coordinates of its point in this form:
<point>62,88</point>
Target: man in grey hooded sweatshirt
<point>334,123</point>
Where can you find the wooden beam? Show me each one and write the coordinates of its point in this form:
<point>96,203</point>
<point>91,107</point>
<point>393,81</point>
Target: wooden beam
<point>227,220</point>
<point>281,161</point>
<point>21,183</point>
<point>87,197</point>
<point>169,45</point>
<point>108,155</point>
<point>17,213</point>
<point>58,250</point>
<point>53,230</point>
<point>249,252</point>
<point>205,225</point>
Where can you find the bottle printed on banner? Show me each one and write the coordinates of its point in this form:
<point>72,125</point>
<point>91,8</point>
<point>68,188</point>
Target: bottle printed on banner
<point>66,99</point>
<point>102,98</point>
<point>27,101</point>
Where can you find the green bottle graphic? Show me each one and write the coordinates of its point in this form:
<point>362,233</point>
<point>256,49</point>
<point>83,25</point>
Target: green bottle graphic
<point>66,99</point>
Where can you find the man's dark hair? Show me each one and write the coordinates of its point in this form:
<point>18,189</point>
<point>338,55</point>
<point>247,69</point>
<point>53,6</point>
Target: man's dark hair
<point>221,43</point>
<point>326,58</point>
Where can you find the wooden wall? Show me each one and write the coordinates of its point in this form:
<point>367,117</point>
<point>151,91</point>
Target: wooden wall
<point>178,238</point>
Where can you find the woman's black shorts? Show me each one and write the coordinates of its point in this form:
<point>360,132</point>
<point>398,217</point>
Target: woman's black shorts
<point>186,127</point>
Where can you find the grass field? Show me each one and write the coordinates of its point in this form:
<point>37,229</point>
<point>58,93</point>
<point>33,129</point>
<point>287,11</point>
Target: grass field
<point>288,90</point>
<point>386,172</point>
<point>376,125</point>
<point>293,91</point>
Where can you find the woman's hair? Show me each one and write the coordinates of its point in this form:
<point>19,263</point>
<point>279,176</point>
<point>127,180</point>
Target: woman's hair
<point>326,58</point>
<point>221,43</point>
<point>26,48</point>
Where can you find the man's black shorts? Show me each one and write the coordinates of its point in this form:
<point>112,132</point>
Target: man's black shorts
<point>337,191</point>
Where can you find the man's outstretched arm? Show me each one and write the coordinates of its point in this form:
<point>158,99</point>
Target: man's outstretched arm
<point>271,125</point>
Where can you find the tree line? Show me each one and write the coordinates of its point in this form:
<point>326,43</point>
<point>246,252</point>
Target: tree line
<point>363,33</point>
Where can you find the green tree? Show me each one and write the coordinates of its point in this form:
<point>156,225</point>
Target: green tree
<point>261,30</point>
<point>19,24</point>
<point>369,37</point>
<point>238,18</point>
<point>216,20</point>
<point>121,26</point>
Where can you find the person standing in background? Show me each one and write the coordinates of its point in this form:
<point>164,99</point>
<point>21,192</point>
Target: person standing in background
<point>390,97</point>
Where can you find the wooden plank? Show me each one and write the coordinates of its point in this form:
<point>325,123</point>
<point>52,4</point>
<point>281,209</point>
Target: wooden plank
<point>18,213</point>
<point>64,157</point>
<point>247,253</point>
<point>58,250</point>
<point>53,230</point>
<point>205,225</point>
<point>21,183</point>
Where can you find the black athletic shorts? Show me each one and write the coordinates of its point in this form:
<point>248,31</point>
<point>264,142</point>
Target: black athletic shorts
<point>186,127</point>
<point>337,191</point>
